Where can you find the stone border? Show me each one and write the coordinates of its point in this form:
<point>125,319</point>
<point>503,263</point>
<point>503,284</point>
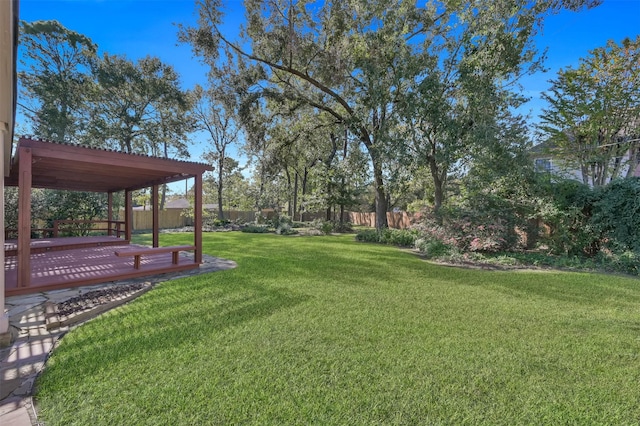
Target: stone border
<point>53,319</point>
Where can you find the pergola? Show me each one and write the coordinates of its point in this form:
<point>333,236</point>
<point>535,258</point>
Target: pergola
<point>51,165</point>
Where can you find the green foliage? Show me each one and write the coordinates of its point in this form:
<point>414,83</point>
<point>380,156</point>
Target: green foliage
<point>283,225</point>
<point>432,248</point>
<point>139,107</point>
<point>565,207</point>
<point>616,215</point>
<point>73,205</point>
<point>592,121</point>
<point>330,226</point>
<point>56,77</point>
<point>368,236</point>
<point>395,237</point>
<point>487,230</point>
<point>221,222</point>
<point>256,229</point>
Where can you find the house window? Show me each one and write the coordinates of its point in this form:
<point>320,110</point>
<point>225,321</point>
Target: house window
<point>543,165</point>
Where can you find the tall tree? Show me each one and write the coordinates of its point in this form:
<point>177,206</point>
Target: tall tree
<point>55,77</point>
<point>357,60</point>
<point>217,121</point>
<point>593,118</point>
<point>139,107</point>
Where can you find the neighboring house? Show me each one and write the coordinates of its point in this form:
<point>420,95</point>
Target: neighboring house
<point>183,203</point>
<point>548,159</point>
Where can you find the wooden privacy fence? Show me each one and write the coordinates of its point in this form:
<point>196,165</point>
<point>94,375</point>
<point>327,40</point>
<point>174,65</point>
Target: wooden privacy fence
<point>143,219</point>
<point>172,218</point>
<point>396,220</point>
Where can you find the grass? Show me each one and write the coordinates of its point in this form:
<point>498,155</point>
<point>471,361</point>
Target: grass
<point>324,330</point>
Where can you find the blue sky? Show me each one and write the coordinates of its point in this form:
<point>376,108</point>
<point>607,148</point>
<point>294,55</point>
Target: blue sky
<point>137,28</point>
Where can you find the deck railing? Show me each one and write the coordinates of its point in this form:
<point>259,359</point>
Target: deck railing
<point>88,227</point>
<point>66,228</point>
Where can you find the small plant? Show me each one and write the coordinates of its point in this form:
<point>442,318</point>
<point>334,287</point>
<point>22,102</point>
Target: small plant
<point>255,229</point>
<point>396,237</point>
<point>221,222</point>
<point>368,236</point>
<point>283,225</point>
<point>329,226</point>
<point>432,248</point>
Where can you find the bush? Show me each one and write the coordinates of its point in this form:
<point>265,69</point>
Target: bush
<point>616,215</point>
<point>432,248</point>
<point>283,225</point>
<point>566,209</point>
<point>627,262</point>
<point>329,226</point>
<point>397,237</point>
<point>221,222</point>
<point>486,232</point>
<point>255,229</point>
<point>368,236</point>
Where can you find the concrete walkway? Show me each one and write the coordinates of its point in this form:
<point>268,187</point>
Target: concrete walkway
<point>21,362</point>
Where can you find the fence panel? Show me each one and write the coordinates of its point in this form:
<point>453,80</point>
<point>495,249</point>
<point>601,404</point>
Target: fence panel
<point>143,219</point>
<point>396,220</point>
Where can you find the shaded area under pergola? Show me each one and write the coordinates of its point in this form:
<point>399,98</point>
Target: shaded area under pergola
<point>50,165</point>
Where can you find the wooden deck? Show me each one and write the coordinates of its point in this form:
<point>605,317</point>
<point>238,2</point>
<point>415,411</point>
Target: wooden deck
<point>67,266</point>
<point>42,245</point>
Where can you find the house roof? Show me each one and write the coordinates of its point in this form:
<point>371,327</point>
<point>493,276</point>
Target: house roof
<point>183,203</point>
<point>178,203</point>
<point>79,168</point>
<point>547,147</point>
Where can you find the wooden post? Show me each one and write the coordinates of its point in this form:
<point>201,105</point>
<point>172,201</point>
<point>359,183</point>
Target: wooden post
<point>197,219</point>
<point>156,215</point>
<point>128,215</point>
<point>24,217</point>
<point>109,213</point>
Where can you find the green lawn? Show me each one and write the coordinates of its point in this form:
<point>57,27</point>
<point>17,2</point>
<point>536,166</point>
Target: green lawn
<point>324,330</point>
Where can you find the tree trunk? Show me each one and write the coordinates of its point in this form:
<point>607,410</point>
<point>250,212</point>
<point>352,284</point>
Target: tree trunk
<point>438,183</point>
<point>305,176</point>
<point>220,174</point>
<point>295,196</point>
<point>381,197</point>
<point>344,181</point>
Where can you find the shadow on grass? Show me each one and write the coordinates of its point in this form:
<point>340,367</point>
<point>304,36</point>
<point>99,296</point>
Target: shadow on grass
<point>583,289</point>
<point>183,313</point>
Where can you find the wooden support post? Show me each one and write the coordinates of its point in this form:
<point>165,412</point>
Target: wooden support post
<point>197,219</point>
<point>156,215</point>
<point>109,213</point>
<point>24,217</point>
<point>128,215</point>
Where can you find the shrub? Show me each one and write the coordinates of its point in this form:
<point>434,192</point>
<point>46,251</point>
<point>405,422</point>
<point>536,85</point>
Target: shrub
<point>329,226</point>
<point>470,231</point>
<point>616,215</point>
<point>283,225</point>
<point>566,210</point>
<point>368,236</point>
<point>627,262</point>
<point>397,237</point>
<point>432,248</point>
<point>255,229</point>
<point>221,222</point>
